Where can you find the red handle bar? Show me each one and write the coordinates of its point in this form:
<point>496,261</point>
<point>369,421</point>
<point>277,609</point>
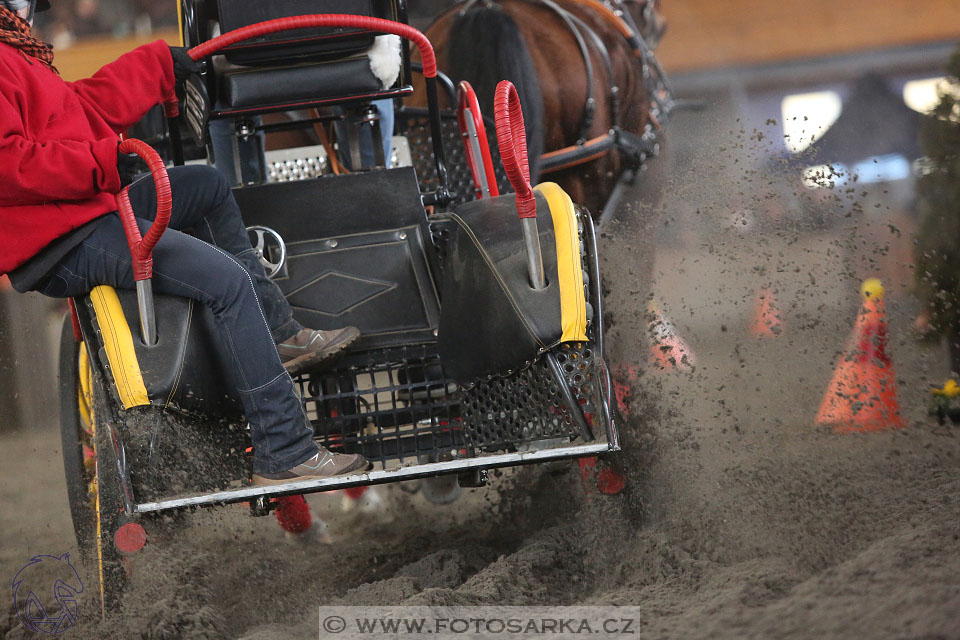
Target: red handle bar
<point>482,166</point>
<point>512,140</point>
<point>142,248</point>
<point>214,45</point>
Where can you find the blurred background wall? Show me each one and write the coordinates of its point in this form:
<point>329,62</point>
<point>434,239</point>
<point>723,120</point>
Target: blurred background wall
<point>773,93</point>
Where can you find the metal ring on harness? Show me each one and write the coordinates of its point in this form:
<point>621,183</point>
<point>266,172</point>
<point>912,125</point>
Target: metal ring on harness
<point>260,247</point>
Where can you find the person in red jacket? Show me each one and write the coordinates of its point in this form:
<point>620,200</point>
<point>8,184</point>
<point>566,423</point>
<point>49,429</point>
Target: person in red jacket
<point>60,233</point>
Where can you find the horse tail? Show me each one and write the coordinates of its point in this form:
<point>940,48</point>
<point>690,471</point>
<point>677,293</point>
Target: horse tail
<point>485,47</point>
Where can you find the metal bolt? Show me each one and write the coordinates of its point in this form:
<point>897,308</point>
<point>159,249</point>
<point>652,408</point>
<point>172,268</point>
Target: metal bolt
<point>402,235</point>
<point>333,244</point>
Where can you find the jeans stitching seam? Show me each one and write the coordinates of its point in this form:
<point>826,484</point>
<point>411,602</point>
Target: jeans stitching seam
<point>255,296</point>
<point>261,386</point>
<point>213,237</point>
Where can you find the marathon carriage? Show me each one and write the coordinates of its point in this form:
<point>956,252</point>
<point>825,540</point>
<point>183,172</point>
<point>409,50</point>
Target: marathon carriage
<point>482,334</point>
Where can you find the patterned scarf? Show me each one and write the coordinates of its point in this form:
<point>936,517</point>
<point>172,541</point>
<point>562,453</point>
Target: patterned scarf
<point>15,31</point>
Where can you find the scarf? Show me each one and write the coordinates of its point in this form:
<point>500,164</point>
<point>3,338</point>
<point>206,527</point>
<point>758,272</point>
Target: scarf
<point>15,31</point>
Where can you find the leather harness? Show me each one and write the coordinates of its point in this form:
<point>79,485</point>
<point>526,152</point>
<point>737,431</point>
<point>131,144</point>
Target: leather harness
<point>636,149</point>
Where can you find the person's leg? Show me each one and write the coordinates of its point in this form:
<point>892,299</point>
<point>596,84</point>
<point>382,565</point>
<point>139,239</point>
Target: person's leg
<point>385,111</point>
<point>188,267</point>
<point>204,204</point>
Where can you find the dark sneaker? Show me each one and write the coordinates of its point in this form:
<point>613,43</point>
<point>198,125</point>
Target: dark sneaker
<point>325,464</point>
<point>310,347</point>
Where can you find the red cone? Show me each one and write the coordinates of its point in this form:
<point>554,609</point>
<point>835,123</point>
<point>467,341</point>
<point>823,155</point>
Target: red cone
<point>862,395</point>
<point>668,351</point>
<point>766,316</point>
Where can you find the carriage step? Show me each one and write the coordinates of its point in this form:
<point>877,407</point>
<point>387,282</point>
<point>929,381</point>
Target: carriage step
<point>412,472</point>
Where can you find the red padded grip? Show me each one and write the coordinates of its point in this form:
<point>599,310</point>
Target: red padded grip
<point>141,249</point>
<point>512,140</point>
<point>214,45</point>
<point>468,100</point>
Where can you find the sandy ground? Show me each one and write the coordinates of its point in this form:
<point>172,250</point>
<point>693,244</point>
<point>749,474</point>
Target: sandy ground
<point>739,519</point>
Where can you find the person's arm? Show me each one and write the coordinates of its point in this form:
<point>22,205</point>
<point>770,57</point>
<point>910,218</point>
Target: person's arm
<point>124,90</point>
<point>34,173</point>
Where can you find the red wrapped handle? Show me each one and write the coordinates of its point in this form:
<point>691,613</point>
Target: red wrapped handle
<point>512,140</point>
<point>141,249</point>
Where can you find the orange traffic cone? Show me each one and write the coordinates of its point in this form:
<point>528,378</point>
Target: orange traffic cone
<point>766,316</point>
<point>862,395</point>
<point>667,349</point>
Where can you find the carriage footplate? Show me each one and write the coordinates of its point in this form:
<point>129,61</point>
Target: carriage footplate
<point>398,408</point>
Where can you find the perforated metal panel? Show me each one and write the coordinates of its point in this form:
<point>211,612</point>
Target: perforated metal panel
<point>417,131</point>
<point>404,409</point>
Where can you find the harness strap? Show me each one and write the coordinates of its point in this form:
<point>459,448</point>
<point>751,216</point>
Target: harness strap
<point>601,48</point>
<point>577,154</point>
<point>615,21</point>
<point>636,149</point>
<point>589,108</point>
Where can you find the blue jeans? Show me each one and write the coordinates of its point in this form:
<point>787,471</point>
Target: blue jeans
<point>218,268</point>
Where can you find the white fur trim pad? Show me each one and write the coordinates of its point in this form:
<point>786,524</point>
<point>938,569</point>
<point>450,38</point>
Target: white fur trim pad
<point>385,59</point>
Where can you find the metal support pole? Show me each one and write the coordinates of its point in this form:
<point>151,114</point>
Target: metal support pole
<point>576,411</point>
<point>148,318</point>
<point>531,240</point>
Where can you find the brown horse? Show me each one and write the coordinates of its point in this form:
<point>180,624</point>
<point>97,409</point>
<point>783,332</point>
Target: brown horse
<point>582,69</point>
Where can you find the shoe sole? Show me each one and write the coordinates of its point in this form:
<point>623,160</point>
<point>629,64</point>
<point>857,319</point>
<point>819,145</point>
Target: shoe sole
<point>309,360</point>
<point>260,481</point>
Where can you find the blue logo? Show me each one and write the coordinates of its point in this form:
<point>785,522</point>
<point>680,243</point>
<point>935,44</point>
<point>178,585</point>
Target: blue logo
<point>43,609</point>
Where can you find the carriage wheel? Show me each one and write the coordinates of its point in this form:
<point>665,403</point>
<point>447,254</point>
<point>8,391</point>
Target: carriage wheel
<point>76,412</point>
<point>93,486</point>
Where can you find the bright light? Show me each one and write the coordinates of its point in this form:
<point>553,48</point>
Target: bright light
<point>922,95</point>
<point>885,168</point>
<point>807,115</point>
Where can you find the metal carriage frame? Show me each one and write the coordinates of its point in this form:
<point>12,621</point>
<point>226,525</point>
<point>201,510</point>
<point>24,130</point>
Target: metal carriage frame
<point>390,399</point>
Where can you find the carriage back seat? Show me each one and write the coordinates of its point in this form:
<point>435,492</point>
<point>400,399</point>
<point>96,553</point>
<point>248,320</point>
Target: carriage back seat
<point>297,69</point>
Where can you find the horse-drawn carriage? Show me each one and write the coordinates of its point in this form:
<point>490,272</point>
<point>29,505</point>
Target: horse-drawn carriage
<point>482,334</point>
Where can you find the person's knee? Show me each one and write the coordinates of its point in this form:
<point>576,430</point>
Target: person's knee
<point>199,270</point>
<point>208,186</point>
<point>234,286</point>
<point>215,182</point>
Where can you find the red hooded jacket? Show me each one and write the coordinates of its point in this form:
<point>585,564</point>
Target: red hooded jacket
<point>58,142</point>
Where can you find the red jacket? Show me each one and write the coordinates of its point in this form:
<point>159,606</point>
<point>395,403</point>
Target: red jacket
<point>58,142</point>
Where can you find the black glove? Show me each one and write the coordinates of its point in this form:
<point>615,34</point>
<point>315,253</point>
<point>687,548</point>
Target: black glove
<point>128,167</point>
<point>183,65</point>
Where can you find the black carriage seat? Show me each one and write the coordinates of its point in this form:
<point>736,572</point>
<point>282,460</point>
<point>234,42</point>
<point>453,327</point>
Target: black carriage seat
<point>493,322</point>
<point>302,68</point>
<point>182,371</point>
